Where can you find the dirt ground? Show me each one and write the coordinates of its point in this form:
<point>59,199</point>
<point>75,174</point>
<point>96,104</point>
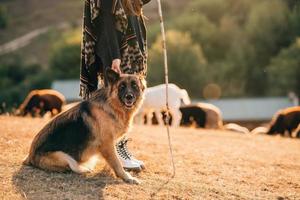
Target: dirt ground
<point>210,164</point>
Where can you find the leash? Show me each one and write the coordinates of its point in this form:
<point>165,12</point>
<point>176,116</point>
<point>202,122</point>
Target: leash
<point>164,46</point>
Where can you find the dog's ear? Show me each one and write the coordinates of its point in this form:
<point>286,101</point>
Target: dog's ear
<point>112,76</point>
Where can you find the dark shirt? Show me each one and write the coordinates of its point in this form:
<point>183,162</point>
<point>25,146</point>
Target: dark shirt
<point>136,26</point>
<point>111,37</point>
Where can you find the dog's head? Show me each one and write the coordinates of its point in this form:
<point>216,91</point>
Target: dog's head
<point>127,89</point>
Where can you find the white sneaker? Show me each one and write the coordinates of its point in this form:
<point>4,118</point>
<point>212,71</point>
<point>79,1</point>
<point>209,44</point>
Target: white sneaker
<point>130,164</point>
<point>141,163</point>
<point>128,161</point>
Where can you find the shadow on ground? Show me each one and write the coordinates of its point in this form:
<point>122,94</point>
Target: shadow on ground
<point>36,184</point>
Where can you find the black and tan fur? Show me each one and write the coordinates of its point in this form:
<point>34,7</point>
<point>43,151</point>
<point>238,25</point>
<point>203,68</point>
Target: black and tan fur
<point>74,138</point>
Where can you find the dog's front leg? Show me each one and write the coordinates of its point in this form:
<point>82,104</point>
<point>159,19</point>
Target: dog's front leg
<point>109,153</point>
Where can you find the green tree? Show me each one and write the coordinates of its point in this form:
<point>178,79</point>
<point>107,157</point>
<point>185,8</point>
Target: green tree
<point>186,62</point>
<point>212,9</point>
<point>65,61</point>
<point>18,79</point>
<point>294,19</point>
<point>201,30</point>
<point>267,32</point>
<point>284,71</point>
<point>3,17</point>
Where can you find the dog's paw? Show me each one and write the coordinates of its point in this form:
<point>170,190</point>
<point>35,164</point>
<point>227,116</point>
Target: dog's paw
<point>133,181</point>
<point>138,169</point>
<point>84,169</point>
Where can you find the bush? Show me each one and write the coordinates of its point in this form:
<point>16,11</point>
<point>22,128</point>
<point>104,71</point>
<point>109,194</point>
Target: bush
<point>65,56</point>
<point>65,61</point>
<point>284,71</point>
<point>3,17</point>
<point>18,79</point>
<point>212,9</point>
<point>186,62</point>
<point>267,33</point>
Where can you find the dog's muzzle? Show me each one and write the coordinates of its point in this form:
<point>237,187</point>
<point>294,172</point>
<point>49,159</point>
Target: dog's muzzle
<point>129,100</point>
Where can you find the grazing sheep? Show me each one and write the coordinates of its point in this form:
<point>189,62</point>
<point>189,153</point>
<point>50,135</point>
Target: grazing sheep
<point>213,116</point>
<point>260,130</point>
<point>236,128</point>
<point>155,101</point>
<point>193,113</point>
<point>296,132</point>
<point>38,102</point>
<point>285,120</point>
<point>205,115</point>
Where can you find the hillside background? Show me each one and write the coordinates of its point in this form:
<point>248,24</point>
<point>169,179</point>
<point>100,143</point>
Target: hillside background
<point>217,48</point>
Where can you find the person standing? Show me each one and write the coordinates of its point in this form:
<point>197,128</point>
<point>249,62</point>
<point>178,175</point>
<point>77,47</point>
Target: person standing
<point>114,36</point>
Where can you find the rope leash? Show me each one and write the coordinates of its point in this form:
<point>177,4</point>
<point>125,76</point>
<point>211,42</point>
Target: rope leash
<point>164,46</point>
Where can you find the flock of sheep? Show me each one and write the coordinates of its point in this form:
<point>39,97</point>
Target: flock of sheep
<point>181,111</point>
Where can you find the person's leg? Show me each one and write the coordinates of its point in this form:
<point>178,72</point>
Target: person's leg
<point>128,161</point>
<point>109,154</point>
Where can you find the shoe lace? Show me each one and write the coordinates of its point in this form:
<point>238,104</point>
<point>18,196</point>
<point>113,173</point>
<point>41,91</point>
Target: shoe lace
<point>122,149</point>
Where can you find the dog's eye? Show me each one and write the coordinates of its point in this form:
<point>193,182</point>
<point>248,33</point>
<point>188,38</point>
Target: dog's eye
<point>134,85</point>
<point>122,86</point>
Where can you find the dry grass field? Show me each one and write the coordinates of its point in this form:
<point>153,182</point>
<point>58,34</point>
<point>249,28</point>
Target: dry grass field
<point>210,164</point>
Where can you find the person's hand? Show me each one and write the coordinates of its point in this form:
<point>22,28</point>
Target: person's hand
<point>116,65</point>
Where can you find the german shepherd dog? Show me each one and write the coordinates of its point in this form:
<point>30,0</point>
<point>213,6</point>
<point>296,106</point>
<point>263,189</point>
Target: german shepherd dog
<point>73,139</point>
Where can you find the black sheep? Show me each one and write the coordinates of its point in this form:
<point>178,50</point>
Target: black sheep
<point>193,113</point>
<point>285,120</point>
<point>38,102</point>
